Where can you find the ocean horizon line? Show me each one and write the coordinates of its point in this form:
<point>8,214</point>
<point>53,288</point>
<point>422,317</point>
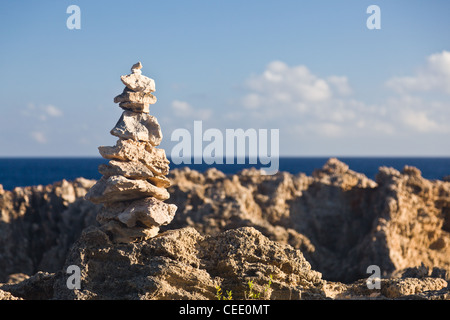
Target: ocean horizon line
<point>29,171</point>
<point>247,157</point>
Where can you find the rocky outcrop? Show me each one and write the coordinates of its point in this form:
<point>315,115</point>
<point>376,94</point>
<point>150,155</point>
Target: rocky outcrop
<point>337,220</point>
<point>183,264</point>
<point>39,224</point>
<point>340,220</point>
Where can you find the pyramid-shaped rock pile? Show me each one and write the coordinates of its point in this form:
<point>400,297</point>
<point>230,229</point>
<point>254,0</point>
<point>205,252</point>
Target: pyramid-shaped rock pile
<point>133,186</point>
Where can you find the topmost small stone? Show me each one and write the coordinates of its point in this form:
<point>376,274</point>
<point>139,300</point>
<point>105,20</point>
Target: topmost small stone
<point>137,82</point>
<point>136,66</point>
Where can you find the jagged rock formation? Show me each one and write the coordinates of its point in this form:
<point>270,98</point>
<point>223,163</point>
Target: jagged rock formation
<point>39,224</point>
<point>340,220</point>
<point>182,264</point>
<point>133,186</point>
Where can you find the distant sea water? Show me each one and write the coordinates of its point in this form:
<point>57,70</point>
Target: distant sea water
<point>20,172</point>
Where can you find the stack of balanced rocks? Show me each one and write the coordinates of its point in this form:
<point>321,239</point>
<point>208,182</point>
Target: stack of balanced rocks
<point>133,184</point>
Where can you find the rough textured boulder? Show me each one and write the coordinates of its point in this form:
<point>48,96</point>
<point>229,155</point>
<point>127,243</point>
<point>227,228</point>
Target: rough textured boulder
<point>119,188</point>
<point>139,127</point>
<point>182,264</point>
<point>340,220</point>
<point>130,150</point>
<point>39,224</point>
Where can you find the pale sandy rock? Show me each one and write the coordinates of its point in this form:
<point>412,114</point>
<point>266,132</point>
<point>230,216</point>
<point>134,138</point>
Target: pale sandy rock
<point>337,173</point>
<point>128,169</point>
<point>138,83</point>
<point>136,66</point>
<point>133,170</point>
<point>395,288</point>
<point>38,224</point>
<point>135,106</point>
<point>400,223</point>
<point>118,188</point>
<point>4,295</point>
<point>138,127</point>
<point>119,233</point>
<point>160,181</point>
<point>148,211</point>
<point>130,150</point>
<point>135,97</point>
<point>182,264</point>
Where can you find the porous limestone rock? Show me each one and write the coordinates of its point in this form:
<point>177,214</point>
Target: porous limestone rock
<point>139,83</point>
<point>395,222</point>
<point>120,233</point>
<point>138,127</point>
<point>398,221</point>
<point>38,224</point>
<point>148,211</point>
<point>130,150</point>
<point>136,68</point>
<point>128,169</point>
<point>119,188</point>
<point>182,264</point>
<point>135,106</point>
<point>135,97</point>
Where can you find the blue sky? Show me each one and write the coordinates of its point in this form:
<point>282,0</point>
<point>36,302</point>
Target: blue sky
<point>309,68</point>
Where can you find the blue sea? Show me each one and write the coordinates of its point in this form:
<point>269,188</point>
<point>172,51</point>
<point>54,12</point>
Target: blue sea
<point>19,172</point>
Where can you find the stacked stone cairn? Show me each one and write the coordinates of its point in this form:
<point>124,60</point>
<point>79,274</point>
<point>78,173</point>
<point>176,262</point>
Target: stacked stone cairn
<point>133,184</point>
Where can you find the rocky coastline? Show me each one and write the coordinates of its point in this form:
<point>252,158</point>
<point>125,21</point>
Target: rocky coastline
<point>312,237</point>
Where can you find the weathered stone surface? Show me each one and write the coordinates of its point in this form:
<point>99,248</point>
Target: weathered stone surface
<point>119,233</point>
<point>397,221</point>
<point>138,127</point>
<point>147,211</point>
<point>119,188</point>
<point>37,287</point>
<point>128,169</point>
<point>160,181</point>
<point>400,222</point>
<point>135,97</point>
<point>138,83</point>
<point>130,150</point>
<point>136,68</point>
<point>4,295</point>
<point>133,170</point>
<point>38,225</point>
<point>135,106</point>
<point>396,288</point>
<point>182,264</point>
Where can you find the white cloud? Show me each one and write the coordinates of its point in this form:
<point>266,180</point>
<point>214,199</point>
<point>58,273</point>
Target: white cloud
<point>321,113</point>
<point>42,112</point>
<point>282,84</point>
<point>53,111</point>
<point>428,113</point>
<point>184,110</point>
<point>340,84</point>
<point>39,137</point>
<point>419,120</point>
<point>433,77</point>
<point>293,96</point>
